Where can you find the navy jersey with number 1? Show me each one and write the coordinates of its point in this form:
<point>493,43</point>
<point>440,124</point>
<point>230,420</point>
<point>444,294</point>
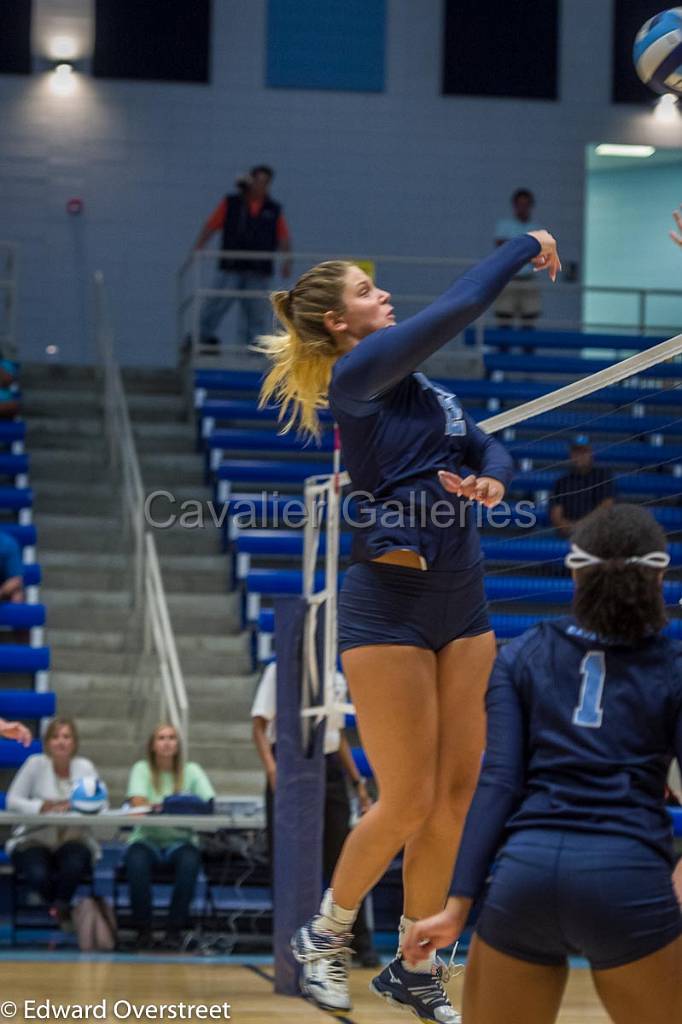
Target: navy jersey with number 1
<point>581,735</point>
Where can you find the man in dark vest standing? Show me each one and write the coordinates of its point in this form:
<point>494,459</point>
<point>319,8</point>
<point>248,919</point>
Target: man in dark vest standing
<point>250,220</point>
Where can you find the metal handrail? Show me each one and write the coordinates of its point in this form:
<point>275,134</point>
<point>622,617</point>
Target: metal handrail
<point>192,291</point>
<point>148,596</point>
<point>122,453</point>
<point>159,633</point>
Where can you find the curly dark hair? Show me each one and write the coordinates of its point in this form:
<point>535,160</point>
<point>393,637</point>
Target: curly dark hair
<point>617,600</point>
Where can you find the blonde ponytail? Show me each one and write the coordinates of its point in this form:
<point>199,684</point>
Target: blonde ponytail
<point>304,355</point>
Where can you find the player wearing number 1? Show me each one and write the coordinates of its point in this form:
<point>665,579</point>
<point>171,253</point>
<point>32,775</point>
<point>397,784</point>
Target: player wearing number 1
<point>584,718</point>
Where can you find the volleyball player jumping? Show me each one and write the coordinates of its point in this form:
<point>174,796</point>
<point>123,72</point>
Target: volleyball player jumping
<point>417,645</point>
<point>584,718</point>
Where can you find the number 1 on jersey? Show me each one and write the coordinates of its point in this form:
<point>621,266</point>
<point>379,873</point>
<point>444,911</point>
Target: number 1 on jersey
<point>590,712</point>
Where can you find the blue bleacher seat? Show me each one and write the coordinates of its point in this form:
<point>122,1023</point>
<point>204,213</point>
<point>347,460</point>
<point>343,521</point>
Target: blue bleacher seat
<point>16,497</point>
<point>503,391</point>
<point>505,626</point>
<point>516,549</point>
<point>21,658</point>
<point>571,366</point>
<point>228,380</point>
<point>12,754</point>
<point>502,587</point>
<point>283,542</point>
<point>3,804</point>
<point>638,453</point>
<point>26,704</point>
<point>611,423</point>
<point>32,574</point>
<point>266,440</point>
<point>676,815</point>
<point>524,391</point>
<point>25,536</point>
<point>12,430</point>
<point>295,471</point>
<point>254,470</point>
<point>13,465</point>
<point>22,616</point>
<point>658,484</point>
<point>362,762</point>
<point>624,423</point>
<point>229,409</point>
<point>266,507</point>
<point>256,510</point>
<point>497,336</point>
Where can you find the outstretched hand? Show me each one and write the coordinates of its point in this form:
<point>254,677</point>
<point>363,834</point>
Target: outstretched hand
<point>15,731</point>
<point>677,235</point>
<point>482,488</point>
<point>548,259</point>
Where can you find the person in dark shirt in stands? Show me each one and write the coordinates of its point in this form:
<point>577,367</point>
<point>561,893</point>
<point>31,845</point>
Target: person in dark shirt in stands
<point>582,490</point>
<point>247,219</point>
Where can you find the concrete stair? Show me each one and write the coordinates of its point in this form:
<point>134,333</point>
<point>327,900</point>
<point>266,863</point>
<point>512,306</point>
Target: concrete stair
<point>98,671</point>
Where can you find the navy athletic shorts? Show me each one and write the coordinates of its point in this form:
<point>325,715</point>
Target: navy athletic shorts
<point>606,897</point>
<point>381,603</point>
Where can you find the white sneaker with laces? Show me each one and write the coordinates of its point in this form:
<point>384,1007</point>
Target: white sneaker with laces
<point>325,981</point>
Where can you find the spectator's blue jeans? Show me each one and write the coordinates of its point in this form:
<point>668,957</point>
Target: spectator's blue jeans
<point>253,318</point>
<point>141,859</point>
<point>54,874</point>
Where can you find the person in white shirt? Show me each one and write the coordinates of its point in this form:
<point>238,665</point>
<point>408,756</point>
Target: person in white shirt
<point>340,769</point>
<point>52,859</point>
<point>520,300</point>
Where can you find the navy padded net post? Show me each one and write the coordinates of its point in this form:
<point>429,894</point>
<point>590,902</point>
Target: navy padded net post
<point>299,798</point>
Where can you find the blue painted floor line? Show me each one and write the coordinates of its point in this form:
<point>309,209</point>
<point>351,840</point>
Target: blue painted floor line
<point>74,956</point>
<point>238,960</point>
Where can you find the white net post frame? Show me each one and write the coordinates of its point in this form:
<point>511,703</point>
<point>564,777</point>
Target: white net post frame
<point>323,496</point>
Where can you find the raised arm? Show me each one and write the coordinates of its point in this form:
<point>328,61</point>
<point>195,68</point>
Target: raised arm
<point>501,784</point>
<point>381,360</point>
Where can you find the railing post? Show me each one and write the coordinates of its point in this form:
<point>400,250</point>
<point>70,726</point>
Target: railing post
<point>196,305</point>
<point>642,311</point>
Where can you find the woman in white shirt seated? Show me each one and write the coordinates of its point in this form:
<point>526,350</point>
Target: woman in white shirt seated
<point>52,859</point>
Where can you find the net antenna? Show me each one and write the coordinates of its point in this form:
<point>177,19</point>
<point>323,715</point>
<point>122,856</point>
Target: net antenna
<point>323,508</point>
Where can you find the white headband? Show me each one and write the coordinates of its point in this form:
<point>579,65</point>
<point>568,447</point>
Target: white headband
<point>578,559</point>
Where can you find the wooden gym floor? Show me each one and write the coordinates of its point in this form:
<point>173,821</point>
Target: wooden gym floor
<point>248,990</point>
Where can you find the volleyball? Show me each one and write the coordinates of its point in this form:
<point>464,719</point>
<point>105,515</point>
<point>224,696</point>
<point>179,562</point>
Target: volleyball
<point>89,795</point>
<point>658,52</point>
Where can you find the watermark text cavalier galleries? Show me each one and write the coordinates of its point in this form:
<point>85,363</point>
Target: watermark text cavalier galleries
<point>119,1009</point>
<point>270,509</point>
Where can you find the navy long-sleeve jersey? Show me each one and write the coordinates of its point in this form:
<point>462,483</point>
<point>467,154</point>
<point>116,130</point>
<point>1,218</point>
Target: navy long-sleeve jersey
<point>398,429</point>
<point>581,734</point>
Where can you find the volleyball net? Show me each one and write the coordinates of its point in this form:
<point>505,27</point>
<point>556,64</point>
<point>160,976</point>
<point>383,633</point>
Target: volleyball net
<point>629,410</point>
<point>630,415</point>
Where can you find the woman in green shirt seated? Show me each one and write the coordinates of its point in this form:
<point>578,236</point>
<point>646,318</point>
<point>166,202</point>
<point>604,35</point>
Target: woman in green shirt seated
<point>162,774</point>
